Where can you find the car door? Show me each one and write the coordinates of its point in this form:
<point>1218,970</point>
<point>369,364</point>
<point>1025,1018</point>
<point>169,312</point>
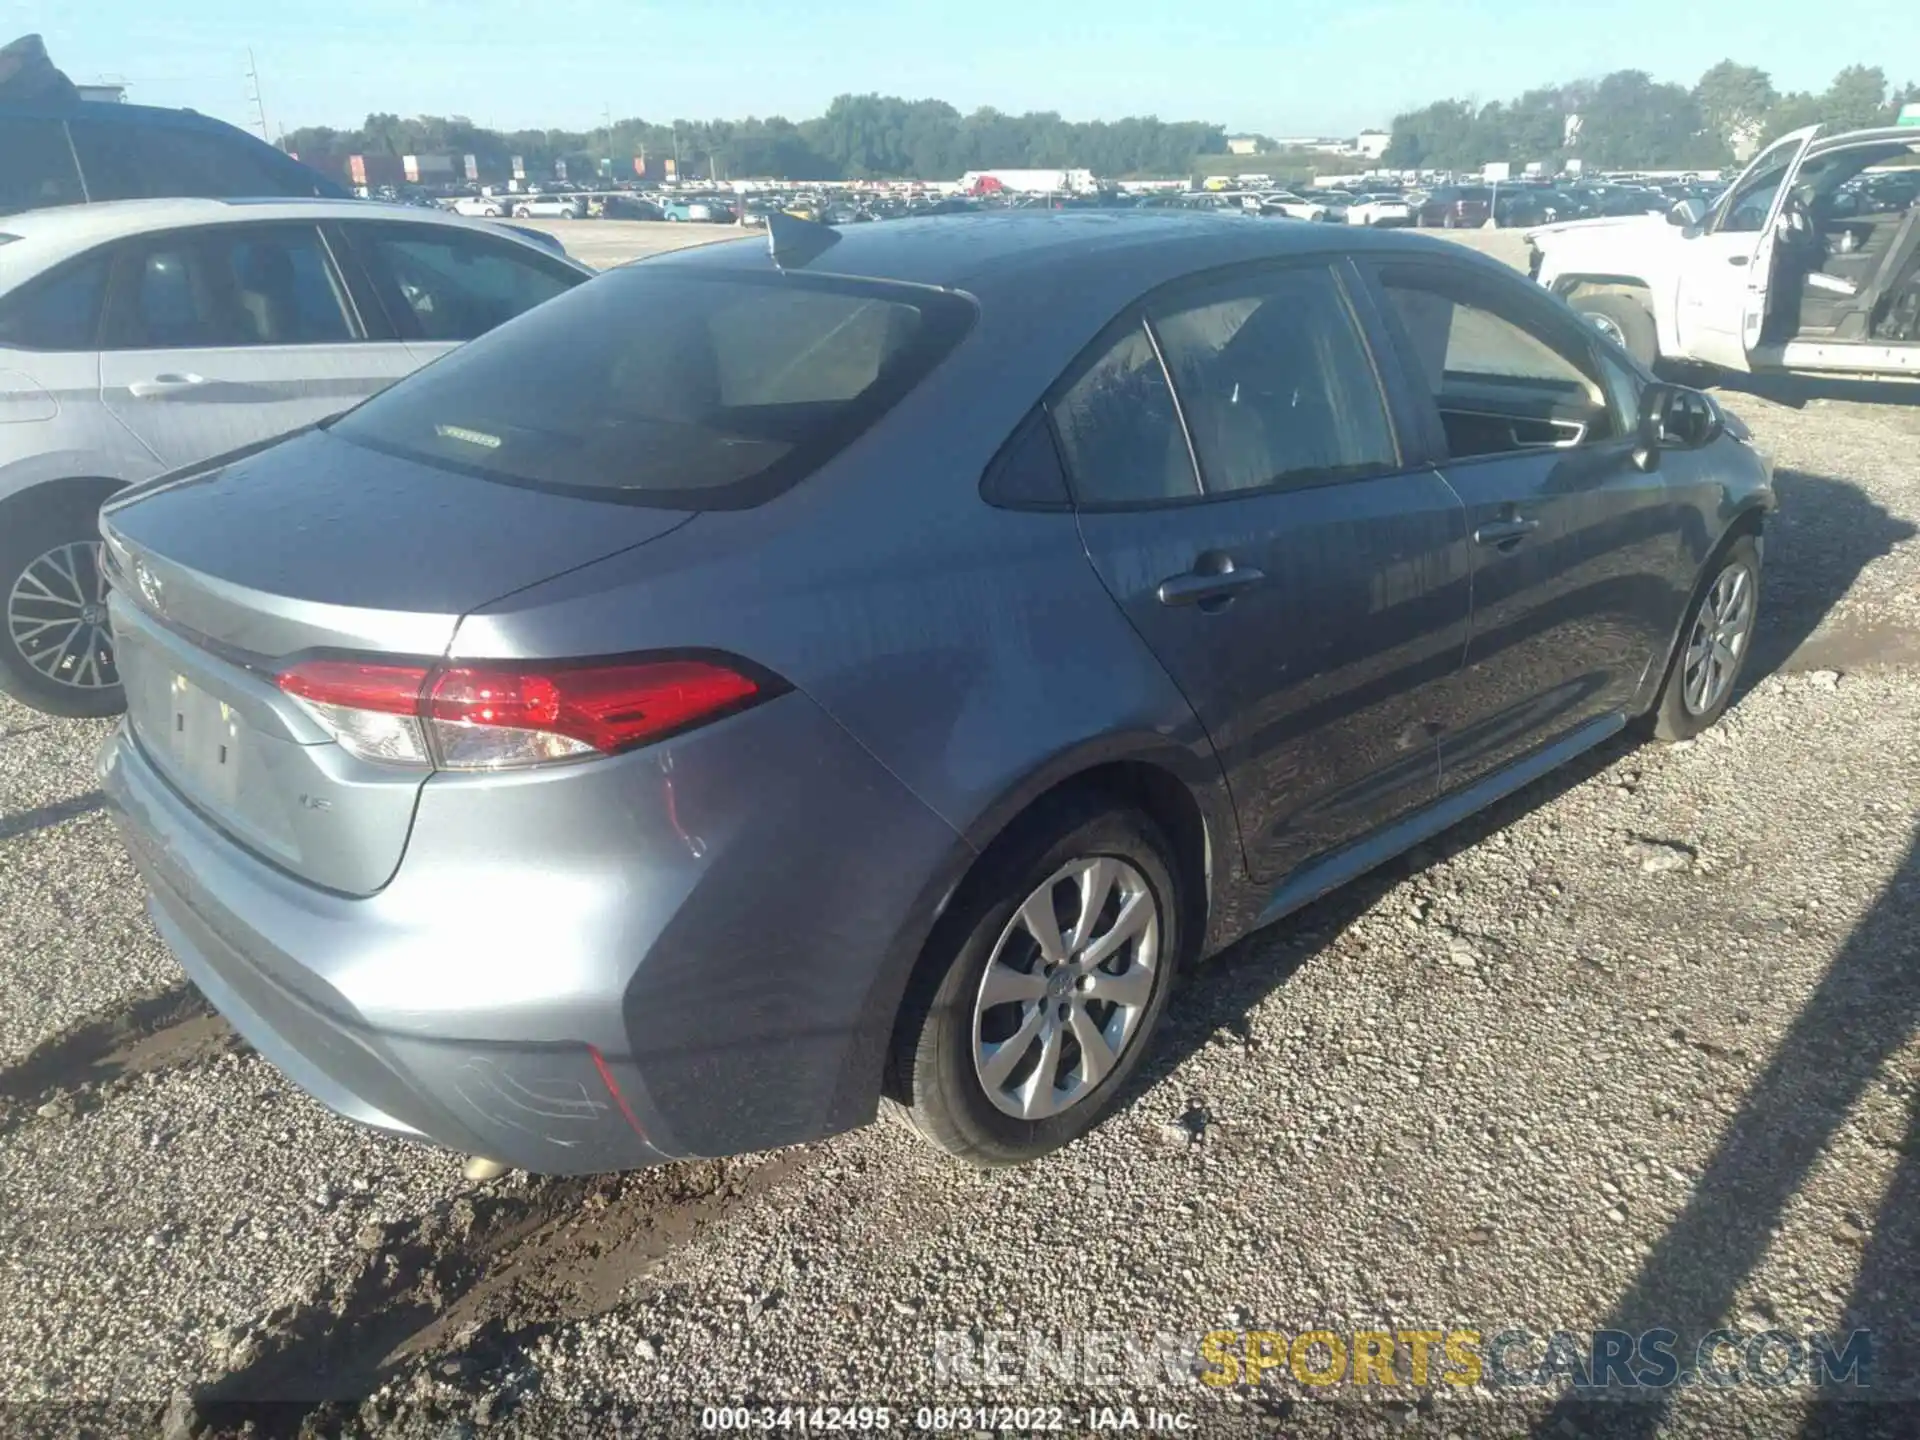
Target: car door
<point>442,285</point>
<point>1578,574</point>
<point>1724,271</point>
<point>50,363</point>
<point>228,335</point>
<point>1303,583</point>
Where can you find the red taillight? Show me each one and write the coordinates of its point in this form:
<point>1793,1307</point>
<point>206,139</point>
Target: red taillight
<point>389,689</point>
<point>373,711</point>
<point>599,707</point>
<point>483,717</point>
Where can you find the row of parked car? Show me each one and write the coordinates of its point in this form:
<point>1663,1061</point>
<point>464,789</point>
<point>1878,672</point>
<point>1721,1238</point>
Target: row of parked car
<point>1526,203</point>
<point>1450,206</point>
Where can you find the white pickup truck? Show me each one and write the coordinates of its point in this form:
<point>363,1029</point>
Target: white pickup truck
<point>1807,264</point>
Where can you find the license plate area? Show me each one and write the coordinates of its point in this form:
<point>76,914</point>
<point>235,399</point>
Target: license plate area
<point>205,740</point>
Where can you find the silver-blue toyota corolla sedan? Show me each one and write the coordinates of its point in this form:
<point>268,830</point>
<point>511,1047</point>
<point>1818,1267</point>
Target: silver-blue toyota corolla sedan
<point>755,684</point>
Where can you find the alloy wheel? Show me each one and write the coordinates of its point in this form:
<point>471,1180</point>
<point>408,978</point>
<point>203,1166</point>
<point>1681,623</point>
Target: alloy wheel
<point>1066,987</point>
<point>1719,640</point>
<point>57,617</point>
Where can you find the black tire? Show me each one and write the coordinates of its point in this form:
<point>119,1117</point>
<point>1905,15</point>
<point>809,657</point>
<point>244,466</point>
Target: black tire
<point>71,518</point>
<point>934,1071</point>
<point>1627,320</point>
<point>1672,717</point>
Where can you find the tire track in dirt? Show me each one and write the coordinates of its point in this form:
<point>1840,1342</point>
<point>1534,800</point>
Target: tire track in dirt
<point>455,1293</point>
<point>170,1029</point>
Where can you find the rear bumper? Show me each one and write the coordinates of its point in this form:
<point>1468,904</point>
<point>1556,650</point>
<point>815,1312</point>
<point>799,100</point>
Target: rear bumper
<point>692,950</point>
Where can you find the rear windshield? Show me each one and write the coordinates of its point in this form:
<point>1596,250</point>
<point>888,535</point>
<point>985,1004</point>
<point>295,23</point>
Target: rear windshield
<point>664,387</point>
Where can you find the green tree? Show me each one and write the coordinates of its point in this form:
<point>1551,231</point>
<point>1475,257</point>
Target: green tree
<point>1735,101</point>
<point>1632,120</point>
<point>1856,99</point>
<point>1436,137</point>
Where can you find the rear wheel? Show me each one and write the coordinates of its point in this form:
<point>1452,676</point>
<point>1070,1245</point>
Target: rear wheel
<point>1039,991</point>
<point>56,652</point>
<point>1714,645</point>
<point>1623,320</point>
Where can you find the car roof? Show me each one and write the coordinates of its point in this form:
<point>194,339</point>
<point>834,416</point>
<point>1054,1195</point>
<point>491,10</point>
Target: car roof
<point>115,113</point>
<point>42,239</point>
<point>1846,139</point>
<point>1121,252</point>
<point>155,117</point>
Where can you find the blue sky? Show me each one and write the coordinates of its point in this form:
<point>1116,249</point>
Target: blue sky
<point>1247,64</point>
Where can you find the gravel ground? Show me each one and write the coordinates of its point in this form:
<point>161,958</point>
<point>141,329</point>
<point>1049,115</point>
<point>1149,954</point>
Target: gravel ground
<point>1641,1046</point>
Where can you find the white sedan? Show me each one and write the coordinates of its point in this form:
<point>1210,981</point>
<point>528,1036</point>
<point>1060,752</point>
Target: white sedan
<point>1296,207</point>
<point>148,335</point>
<point>480,207</point>
<point>1380,210</point>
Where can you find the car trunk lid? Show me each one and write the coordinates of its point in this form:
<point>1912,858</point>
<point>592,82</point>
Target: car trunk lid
<point>223,576</point>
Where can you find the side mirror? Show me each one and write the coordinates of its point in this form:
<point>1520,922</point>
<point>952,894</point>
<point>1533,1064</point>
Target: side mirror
<point>1688,212</point>
<point>1672,417</point>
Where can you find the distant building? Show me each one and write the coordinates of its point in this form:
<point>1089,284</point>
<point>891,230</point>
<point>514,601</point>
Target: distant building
<point>104,92</point>
<point>1243,144</point>
<point>1320,144</point>
<point>1372,143</point>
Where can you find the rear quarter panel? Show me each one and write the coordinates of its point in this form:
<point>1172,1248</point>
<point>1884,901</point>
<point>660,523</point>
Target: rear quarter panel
<point>971,650</point>
<point>80,442</point>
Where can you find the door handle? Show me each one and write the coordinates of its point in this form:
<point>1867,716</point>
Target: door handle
<point>164,385</point>
<point>1211,584</point>
<point>1505,532</point>
<point>1738,259</point>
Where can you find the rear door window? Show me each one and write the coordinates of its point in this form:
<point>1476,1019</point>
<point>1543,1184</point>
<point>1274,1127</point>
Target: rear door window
<point>36,166</point>
<point>448,284</point>
<point>1120,431</point>
<point>60,311</point>
<point>1275,383</point>
<point>661,386</point>
<point>238,285</point>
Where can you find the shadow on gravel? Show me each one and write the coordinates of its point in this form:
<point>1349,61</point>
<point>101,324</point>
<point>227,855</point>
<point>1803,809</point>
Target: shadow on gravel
<point>1864,1011</point>
<point>43,816</point>
<point>1212,1005</point>
<point>169,1028</point>
<point>1826,532</point>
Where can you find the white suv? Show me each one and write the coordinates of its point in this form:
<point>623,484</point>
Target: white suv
<point>551,207</point>
<point>138,337</point>
<point>1809,263</point>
